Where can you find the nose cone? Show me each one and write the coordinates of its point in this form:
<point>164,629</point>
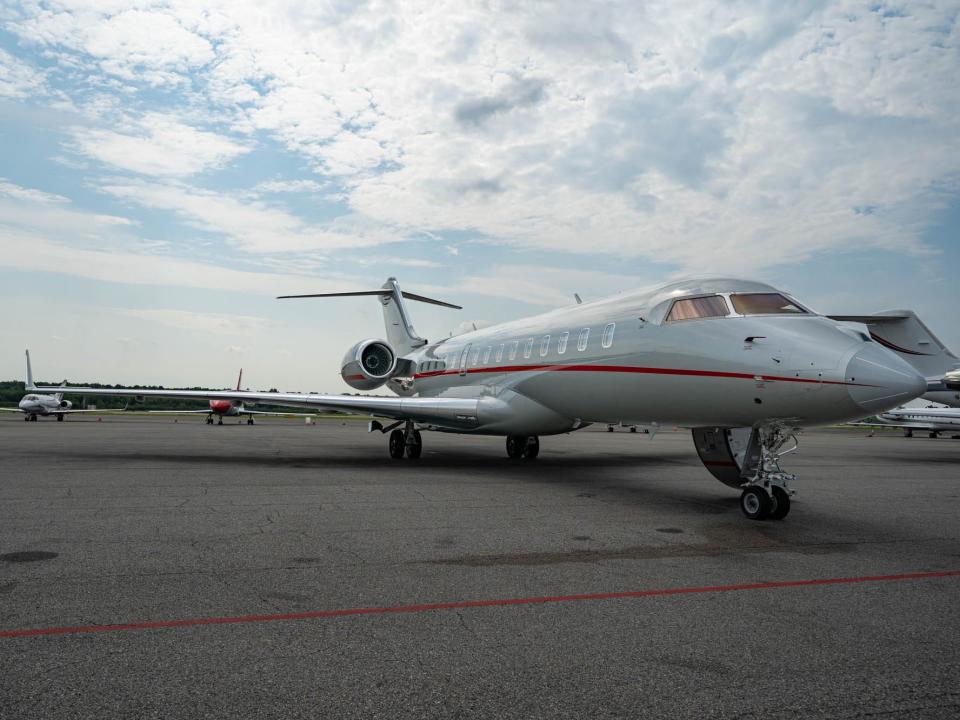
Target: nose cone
<point>879,380</point>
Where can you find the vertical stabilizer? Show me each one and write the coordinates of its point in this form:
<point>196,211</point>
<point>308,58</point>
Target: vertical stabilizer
<point>30,384</point>
<point>400,332</point>
<point>239,378</point>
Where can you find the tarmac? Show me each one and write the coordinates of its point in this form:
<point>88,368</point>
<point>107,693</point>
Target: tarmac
<point>160,569</point>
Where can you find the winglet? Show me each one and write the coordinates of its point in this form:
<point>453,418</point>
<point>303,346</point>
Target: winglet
<point>30,385</point>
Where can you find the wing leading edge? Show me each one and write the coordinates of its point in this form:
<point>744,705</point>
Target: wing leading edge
<point>446,412</point>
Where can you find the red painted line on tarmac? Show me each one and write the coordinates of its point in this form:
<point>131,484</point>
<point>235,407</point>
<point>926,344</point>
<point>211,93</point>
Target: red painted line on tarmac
<point>503,602</point>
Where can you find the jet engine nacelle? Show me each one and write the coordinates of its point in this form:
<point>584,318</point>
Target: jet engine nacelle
<point>368,365</point>
<point>65,405</point>
<point>952,380</point>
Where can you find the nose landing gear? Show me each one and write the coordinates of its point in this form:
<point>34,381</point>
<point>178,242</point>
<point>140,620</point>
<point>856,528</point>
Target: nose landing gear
<point>766,490</point>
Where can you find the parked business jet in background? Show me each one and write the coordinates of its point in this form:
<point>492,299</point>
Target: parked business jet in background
<point>931,420</point>
<point>902,332</point>
<point>34,404</point>
<point>740,363</point>
<point>229,408</point>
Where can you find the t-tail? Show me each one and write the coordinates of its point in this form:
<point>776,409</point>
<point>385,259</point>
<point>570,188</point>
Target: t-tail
<point>902,332</point>
<point>400,331</point>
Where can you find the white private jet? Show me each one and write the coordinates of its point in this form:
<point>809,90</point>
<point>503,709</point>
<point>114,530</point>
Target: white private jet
<point>35,404</point>
<point>931,420</point>
<point>903,333</point>
<point>740,363</point>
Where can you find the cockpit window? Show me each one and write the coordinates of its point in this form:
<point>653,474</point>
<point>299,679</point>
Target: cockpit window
<point>765,304</point>
<point>701,307</point>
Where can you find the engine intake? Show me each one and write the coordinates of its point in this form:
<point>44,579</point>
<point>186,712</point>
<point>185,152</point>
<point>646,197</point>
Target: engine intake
<point>368,365</point>
<point>65,404</point>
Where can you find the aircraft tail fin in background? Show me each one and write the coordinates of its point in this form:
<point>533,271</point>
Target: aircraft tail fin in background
<point>239,378</point>
<point>30,385</point>
<point>902,332</point>
<point>400,332</point>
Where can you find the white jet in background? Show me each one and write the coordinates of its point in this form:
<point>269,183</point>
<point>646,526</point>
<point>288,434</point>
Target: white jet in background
<point>35,404</point>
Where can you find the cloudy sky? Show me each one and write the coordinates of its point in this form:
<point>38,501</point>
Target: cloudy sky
<point>166,168</point>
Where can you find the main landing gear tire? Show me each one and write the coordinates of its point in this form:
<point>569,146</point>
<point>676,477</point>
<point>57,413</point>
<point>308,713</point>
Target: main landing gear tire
<point>908,433</point>
<point>781,504</point>
<point>26,418</point>
<point>33,418</point>
<point>249,421</point>
<point>59,417</point>
<point>755,503</point>
<point>415,448</point>
<point>220,421</point>
<point>523,446</point>
<point>934,435</point>
<point>397,444</point>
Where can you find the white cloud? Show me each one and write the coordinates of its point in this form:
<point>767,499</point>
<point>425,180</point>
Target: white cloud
<point>17,79</point>
<point>30,251</point>
<point>129,42</point>
<point>18,192</point>
<point>218,323</point>
<point>162,146</point>
<point>252,225</point>
<point>716,138</point>
<point>288,186</point>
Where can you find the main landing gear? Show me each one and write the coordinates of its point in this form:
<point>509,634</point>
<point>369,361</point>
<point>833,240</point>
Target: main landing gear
<point>523,446</point>
<point>250,420</point>
<point>406,442</point>
<point>59,417</point>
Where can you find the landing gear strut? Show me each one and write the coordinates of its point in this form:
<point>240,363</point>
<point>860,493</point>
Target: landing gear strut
<point>407,441</point>
<point>33,418</point>
<point>523,446</point>
<point>766,488</point>
<point>220,420</point>
<point>209,419</point>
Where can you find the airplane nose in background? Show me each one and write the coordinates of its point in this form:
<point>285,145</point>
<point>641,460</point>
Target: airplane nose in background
<point>879,380</point>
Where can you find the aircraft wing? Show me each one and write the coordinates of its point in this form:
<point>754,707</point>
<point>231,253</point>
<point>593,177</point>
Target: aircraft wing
<point>454,413</point>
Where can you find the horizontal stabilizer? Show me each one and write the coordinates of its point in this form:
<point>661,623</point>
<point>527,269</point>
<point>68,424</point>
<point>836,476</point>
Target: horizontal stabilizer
<point>382,292</point>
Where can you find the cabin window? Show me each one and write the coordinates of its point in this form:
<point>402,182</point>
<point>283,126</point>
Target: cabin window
<point>513,349</point>
<point>486,355</point>
<point>696,308</point>
<point>500,353</point>
<point>544,345</point>
<point>562,342</point>
<point>765,304</point>
<point>607,339</point>
<point>582,340</point>
<point>528,348</point>
<point>475,358</point>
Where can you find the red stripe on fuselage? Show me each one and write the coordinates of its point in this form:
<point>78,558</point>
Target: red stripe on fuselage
<point>638,370</point>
